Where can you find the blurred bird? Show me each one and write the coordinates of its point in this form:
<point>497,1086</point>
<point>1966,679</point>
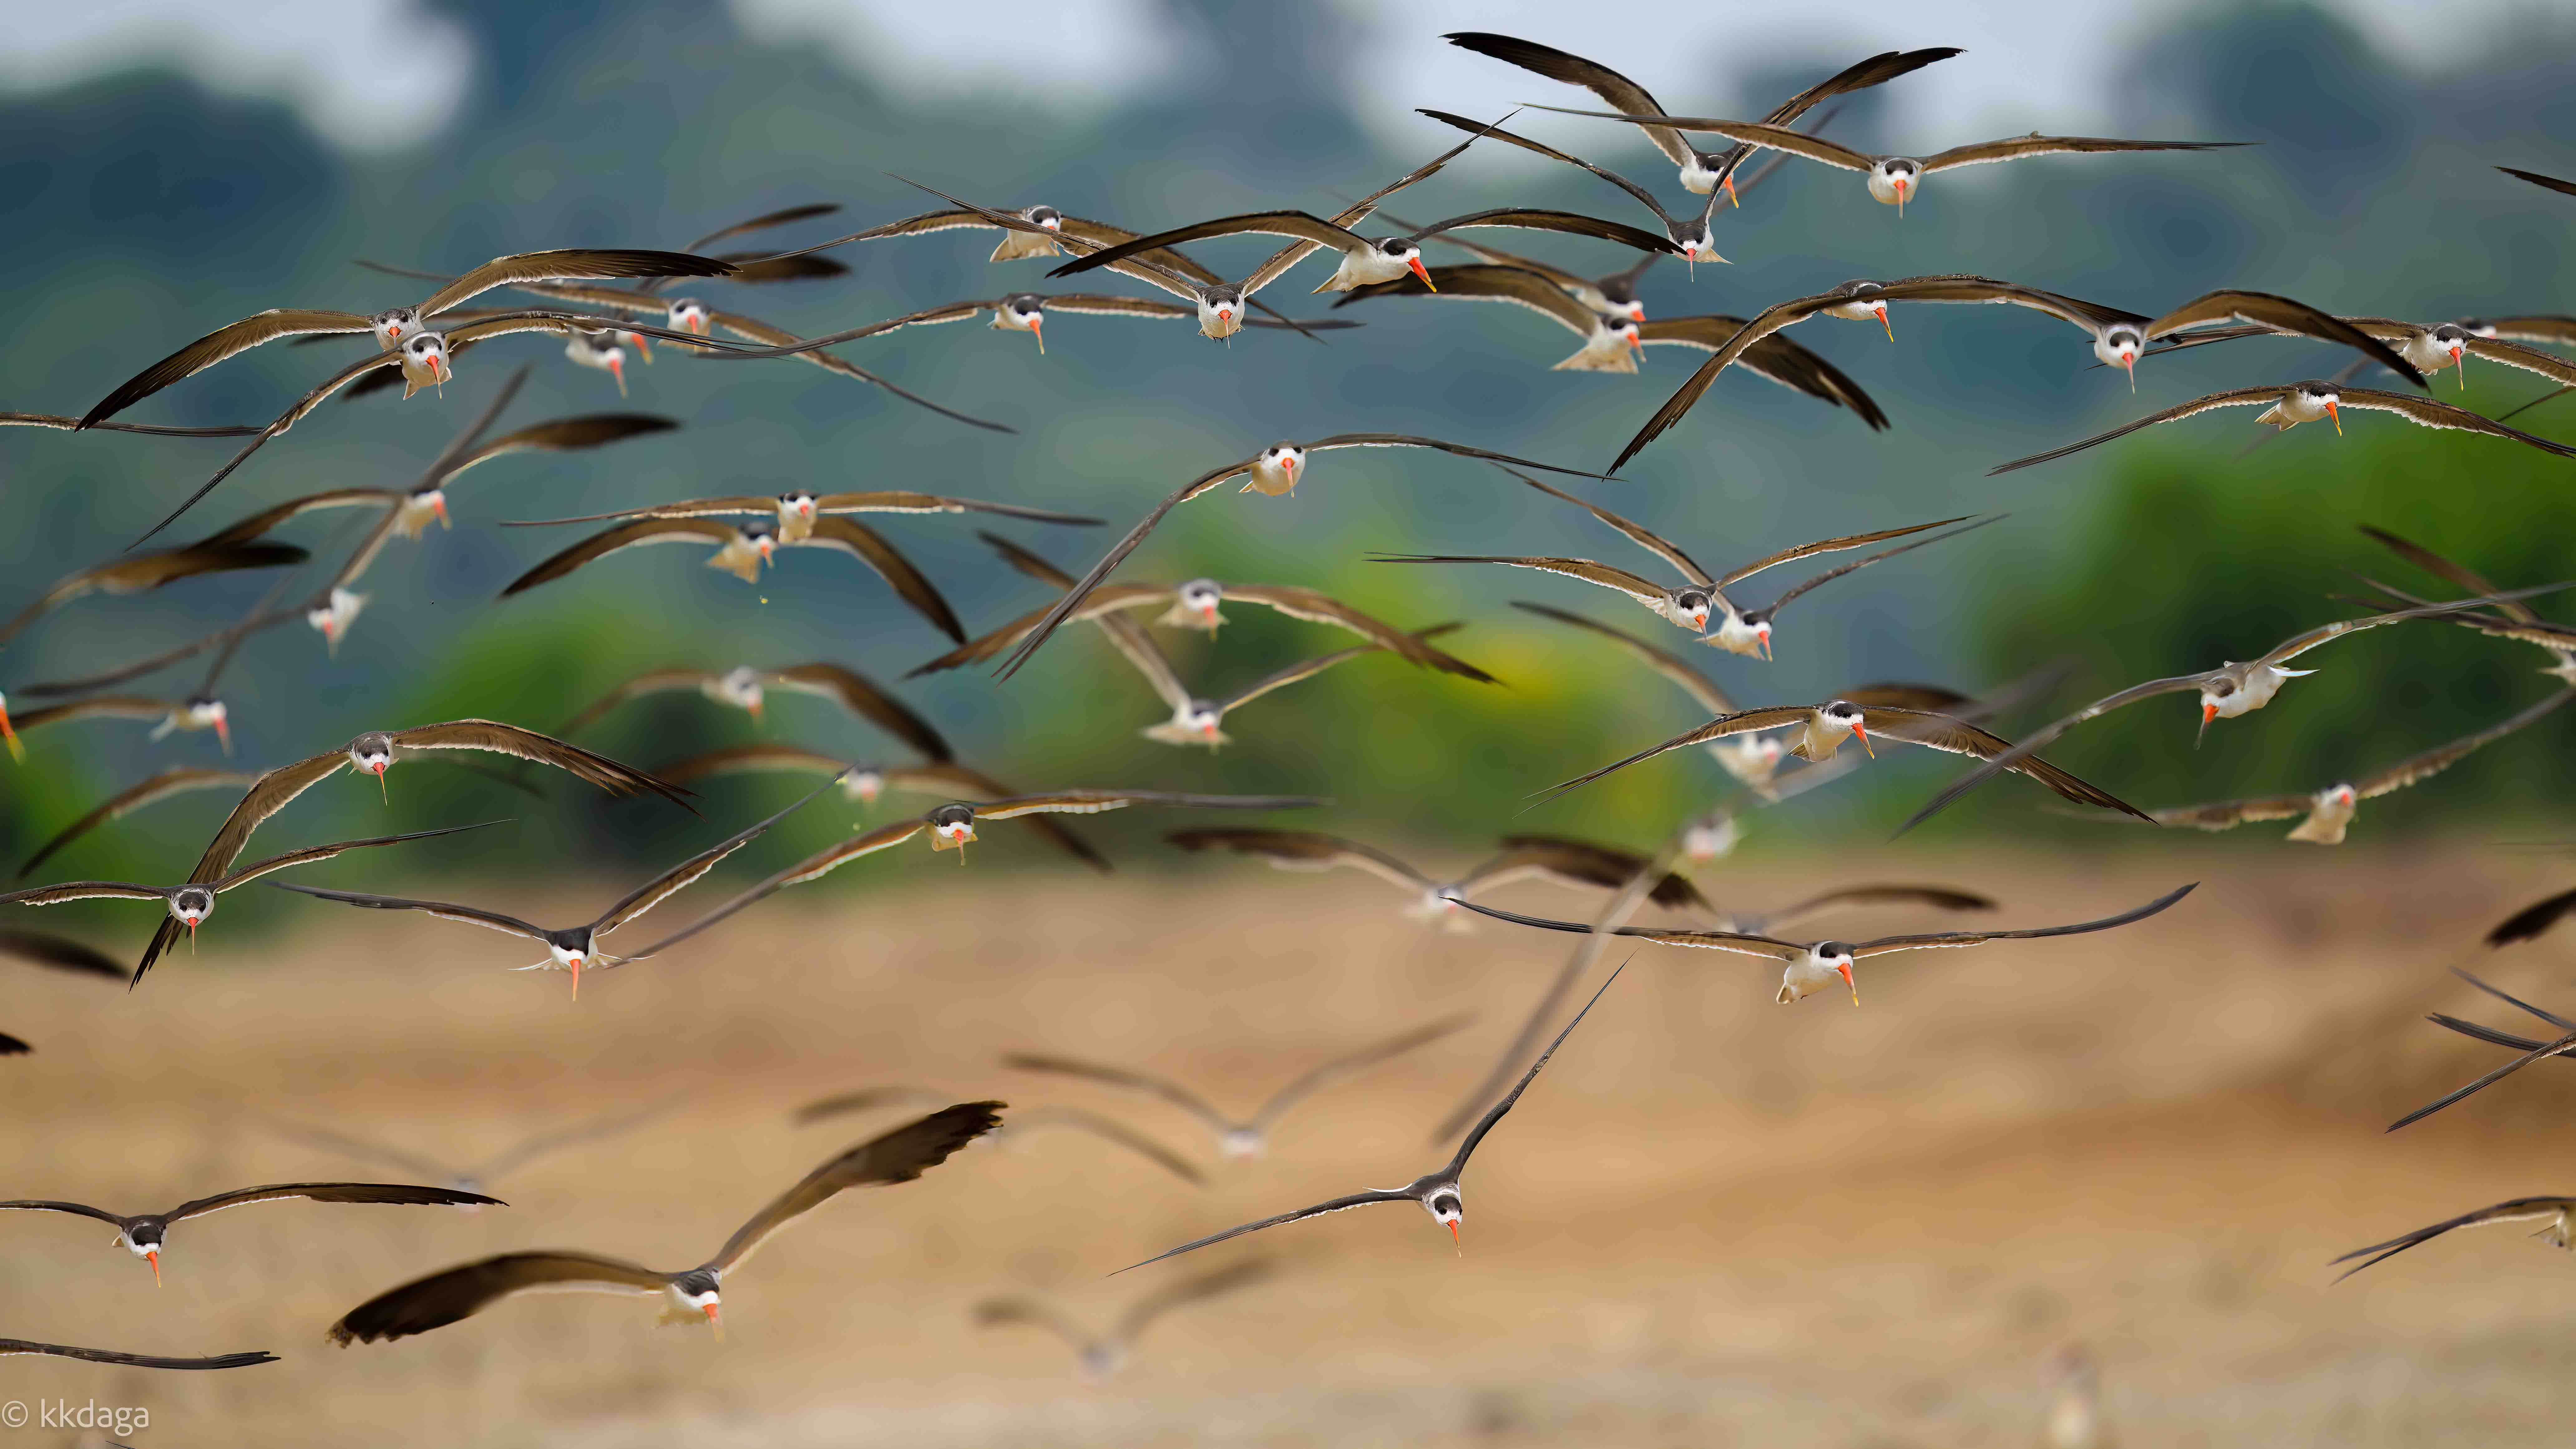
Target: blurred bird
<point>2552,1213</point>
<point>1437,1192</point>
<point>1811,966</point>
<point>742,550</point>
<point>1702,172</point>
<point>572,947</point>
<point>2511,618</point>
<point>449,1297</point>
<point>1023,1124</point>
<point>747,688</point>
<point>474,1177</point>
<point>1894,180</point>
<point>1273,471</point>
<point>396,327</point>
<point>1192,604</point>
<point>795,511</point>
<point>2075,1418</point>
<point>141,573</point>
<point>952,827</point>
<point>1823,729</point>
<point>373,753</point>
<point>1103,1354</point>
<point>2286,407</point>
<point>1248,1136</point>
<point>1523,857</point>
<point>191,903</point>
<point>863,783</point>
<point>2328,812</point>
<point>1198,719</point>
<point>2227,692</point>
<point>59,953</point>
<point>146,1234</point>
<point>1692,604</point>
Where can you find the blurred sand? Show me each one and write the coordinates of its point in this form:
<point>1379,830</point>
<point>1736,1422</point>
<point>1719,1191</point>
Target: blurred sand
<point>1715,1220</point>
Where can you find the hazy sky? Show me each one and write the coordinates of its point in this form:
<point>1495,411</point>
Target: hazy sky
<point>379,73</point>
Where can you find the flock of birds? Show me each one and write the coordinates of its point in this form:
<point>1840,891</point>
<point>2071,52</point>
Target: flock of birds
<point>609,304</point>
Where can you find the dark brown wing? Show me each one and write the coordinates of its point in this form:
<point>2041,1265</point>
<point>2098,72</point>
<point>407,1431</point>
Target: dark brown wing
<point>763,332</point>
<point>1317,608</point>
<point>2282,314</point>
<point>2242,397</point>
<point>2533,921</point>
<point>2425,412</point>
<point>312,853</point>
<point>1583,862</point>
<point>625,535</point>
<point>1615,90</point>
<point>60,423</point>
<point>2554,1210</point>
<point>460,1292</point>
<point>680,877</point>
<point>2450,572</point>
<point>1307,850</point>
<point>1774,359</point>
<point>2567,188</point>
<point>564,435</point>
<point>1743,721</point>
<point>215,346</point>
<point>374,1192</point>
<point>870,547</point>
<point>1663,661</point>
<point>176,781</point>
<point>1958,737</point>
<point>60,952</point>
<point>569,264</point>
<point>899,1156</point>
<point>860,695</point>
<point>508,739</point>
<point>2014,148</point>
<point>10,1346</point>
<point>134,575</point>
<point>1931,939</point>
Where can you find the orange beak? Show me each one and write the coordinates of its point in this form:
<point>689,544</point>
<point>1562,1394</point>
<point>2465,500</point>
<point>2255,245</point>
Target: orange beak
<point>17,751</point>
<point>1900,196</point>
<point>2460,362</point>
<point>576,978</point>
<point>1415,266</point>
<point>2208,712</point>
<point>1846,971</point>
<point>1037,329</point>
<point>2335,413</point>
<point>617,369</point>
<point>224,733</point>
<point>716,1322</point>
<point>1864,739</point>
<point>192,936</point>
<point>1208,612</point>
<point>1729,185</point>
<point>2129,365</point>
<point>437,367</point>
<point>379,773</point>
<point>438,505</point>
<point>154,1258</point>
<point>643,349</point>
<point>1881,309</point>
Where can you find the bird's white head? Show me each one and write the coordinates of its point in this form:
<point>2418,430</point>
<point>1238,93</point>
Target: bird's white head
<point>190,906</point>
<point>1237,1143</point>
<point>1277,468</point>
<point>694,1295</point>
<point>1695,242</point>
<point>600,350</point>
<point>424,357</point>
<point>1690,608</point>
<point>688,314</point>
<point>741,688</point>
<point>205,712</point>
<point>144,1240</point>
<point>1403,253</point>
<point>372,754</point>
<point>1747,634</point>
<point>1706,840</point>
<point>1045,216</point>
<point>1895,180</point>
<point>1817,970</point>
<point>1221,311</point>
<point>334,614</point>
<point>951,826</point>
<point>1023,312</point>
<point>1446,1209</point>
<point>2315,398</point>
<point>394,326</point>
<point>2119,346</point>
<point>1198,600</point>
<point>1840,715</point>
<point>863,784</point>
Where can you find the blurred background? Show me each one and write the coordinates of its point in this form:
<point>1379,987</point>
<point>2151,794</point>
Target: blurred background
<point>170,166</point>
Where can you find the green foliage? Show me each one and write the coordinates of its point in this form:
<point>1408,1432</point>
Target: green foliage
<point>2186,555</point>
